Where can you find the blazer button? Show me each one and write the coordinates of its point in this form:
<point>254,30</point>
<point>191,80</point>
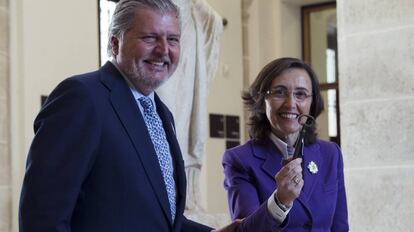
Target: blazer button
<point>307,225</point>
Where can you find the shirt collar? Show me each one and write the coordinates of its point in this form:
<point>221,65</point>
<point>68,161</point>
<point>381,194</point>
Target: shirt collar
<point>282,146</point>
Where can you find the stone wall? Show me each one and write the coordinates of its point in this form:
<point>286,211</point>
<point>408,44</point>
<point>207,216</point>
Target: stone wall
<point>5,161</point>
<point>376,47</point>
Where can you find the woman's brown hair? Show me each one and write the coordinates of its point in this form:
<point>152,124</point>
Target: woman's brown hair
<point>254,98</point>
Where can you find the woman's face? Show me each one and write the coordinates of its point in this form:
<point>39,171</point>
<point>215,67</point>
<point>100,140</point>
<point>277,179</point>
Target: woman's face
<point>289,96</point>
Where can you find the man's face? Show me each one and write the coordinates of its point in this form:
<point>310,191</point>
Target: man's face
<point>149,52</point>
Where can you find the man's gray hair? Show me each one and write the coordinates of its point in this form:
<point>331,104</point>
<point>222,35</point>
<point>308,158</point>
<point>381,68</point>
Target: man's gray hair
<point>123,17</point>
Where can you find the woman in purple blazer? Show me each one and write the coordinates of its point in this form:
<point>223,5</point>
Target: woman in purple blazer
<point>306,194</point>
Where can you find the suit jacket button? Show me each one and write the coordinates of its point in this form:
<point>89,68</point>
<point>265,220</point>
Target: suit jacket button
<point>307,225</point>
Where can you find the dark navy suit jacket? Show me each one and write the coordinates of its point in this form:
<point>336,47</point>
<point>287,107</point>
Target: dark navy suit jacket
<point>249,180</point>
<point>92,165</point>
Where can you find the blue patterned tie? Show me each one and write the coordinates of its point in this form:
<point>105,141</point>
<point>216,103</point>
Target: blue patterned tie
<point>159,139</point>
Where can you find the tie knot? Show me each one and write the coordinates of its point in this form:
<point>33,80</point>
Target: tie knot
<point>146,103</point>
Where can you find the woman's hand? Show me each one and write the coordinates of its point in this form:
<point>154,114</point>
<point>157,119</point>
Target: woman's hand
<point>289,182</point>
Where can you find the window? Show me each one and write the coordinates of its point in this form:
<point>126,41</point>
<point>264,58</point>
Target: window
<point>106,9</point>
<point>319,31</point>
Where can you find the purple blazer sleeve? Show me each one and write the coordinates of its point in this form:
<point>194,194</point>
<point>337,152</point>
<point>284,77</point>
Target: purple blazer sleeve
<point>242,196</point>
<point>243,199</point>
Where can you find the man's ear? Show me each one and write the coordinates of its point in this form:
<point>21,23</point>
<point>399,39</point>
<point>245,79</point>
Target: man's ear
<point>115,45</point>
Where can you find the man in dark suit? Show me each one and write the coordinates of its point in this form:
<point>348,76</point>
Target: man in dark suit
<point>105,155</point>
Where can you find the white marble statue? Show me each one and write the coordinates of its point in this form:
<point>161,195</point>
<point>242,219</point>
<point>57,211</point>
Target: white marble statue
<point>185,92</point>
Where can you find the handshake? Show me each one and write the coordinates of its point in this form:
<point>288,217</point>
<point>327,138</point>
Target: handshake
<point>231,227</point>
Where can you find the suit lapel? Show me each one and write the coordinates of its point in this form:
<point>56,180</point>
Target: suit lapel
<point>271,156</point>
<point>311,154</point>
<point>130,116</point>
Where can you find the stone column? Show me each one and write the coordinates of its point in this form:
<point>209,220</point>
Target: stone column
<point>376,47</point>
<point>246,52</point>
<point>5,161</point>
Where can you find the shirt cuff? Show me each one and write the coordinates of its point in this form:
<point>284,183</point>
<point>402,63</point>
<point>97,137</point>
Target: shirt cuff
<point>274,209</point>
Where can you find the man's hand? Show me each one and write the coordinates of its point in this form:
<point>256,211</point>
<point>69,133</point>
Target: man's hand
<point>231,227</point>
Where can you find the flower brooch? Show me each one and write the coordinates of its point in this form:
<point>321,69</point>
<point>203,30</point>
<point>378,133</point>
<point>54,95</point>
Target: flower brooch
<point>312,167</point>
